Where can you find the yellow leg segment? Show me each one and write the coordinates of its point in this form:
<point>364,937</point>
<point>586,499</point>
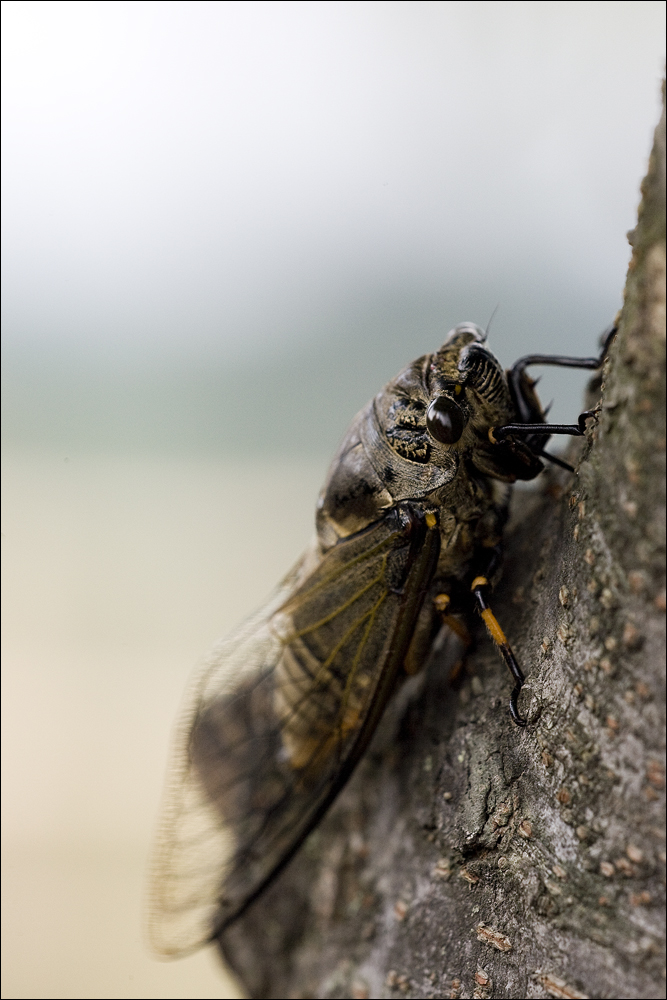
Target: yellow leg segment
<point>479,584</point>
<point>494,628</point>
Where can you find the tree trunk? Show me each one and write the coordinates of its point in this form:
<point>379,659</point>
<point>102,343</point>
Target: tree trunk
<point>469,858</point>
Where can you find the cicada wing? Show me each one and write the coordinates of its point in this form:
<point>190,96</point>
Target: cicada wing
<point>268,747</point>
<point>194,843</point>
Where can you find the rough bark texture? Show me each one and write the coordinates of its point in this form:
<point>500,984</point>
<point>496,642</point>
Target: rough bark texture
<point>468,858</point>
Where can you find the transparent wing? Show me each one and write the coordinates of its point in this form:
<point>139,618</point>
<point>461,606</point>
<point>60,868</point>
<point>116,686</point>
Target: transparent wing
<point>277,721</point>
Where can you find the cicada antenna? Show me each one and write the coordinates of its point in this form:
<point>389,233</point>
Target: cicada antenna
<point>488,325</point>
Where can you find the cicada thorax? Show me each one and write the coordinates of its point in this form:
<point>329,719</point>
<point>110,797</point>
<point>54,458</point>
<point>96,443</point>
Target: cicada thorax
<point>425,435</point>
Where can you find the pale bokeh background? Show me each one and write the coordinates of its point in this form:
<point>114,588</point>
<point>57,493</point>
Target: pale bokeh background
<point>225,226</point>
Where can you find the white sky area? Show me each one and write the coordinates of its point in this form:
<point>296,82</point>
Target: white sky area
<point>203,173</point>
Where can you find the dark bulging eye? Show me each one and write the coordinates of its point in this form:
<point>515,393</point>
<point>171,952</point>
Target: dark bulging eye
<point>445,420</point>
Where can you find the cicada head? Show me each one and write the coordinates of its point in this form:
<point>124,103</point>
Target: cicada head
<point>467,379</point>
<point>429,422</point>
<point>440,410</point>
<point>467,387</point>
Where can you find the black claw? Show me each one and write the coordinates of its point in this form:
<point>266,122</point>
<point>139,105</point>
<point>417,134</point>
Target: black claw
<point>514,709</point>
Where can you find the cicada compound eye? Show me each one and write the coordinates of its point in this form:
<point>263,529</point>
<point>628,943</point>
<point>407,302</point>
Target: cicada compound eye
<point>445,420</point>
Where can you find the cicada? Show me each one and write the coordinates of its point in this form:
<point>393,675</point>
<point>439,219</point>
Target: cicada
<point>409,527</point>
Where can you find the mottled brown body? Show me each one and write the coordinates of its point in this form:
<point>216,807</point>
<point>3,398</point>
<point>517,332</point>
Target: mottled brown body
<point>413,507</point>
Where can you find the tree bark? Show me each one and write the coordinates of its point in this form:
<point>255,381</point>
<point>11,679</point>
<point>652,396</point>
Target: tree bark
<point>468,858</point>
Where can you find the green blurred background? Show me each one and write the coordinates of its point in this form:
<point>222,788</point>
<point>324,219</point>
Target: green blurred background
<point>226,225</point>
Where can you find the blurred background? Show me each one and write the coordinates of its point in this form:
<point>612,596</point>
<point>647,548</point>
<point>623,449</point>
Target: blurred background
<point>226,225</point>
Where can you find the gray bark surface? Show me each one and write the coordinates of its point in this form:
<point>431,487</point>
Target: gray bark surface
<point>469,858</point>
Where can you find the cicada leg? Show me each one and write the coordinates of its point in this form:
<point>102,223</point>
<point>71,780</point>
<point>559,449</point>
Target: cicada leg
<point>532,426</point>
<point>455,625</point>
<point>422,641</point>
<point>479,585</point>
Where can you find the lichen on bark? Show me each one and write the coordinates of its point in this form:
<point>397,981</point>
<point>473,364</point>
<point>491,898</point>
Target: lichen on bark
<point>467,858</point>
